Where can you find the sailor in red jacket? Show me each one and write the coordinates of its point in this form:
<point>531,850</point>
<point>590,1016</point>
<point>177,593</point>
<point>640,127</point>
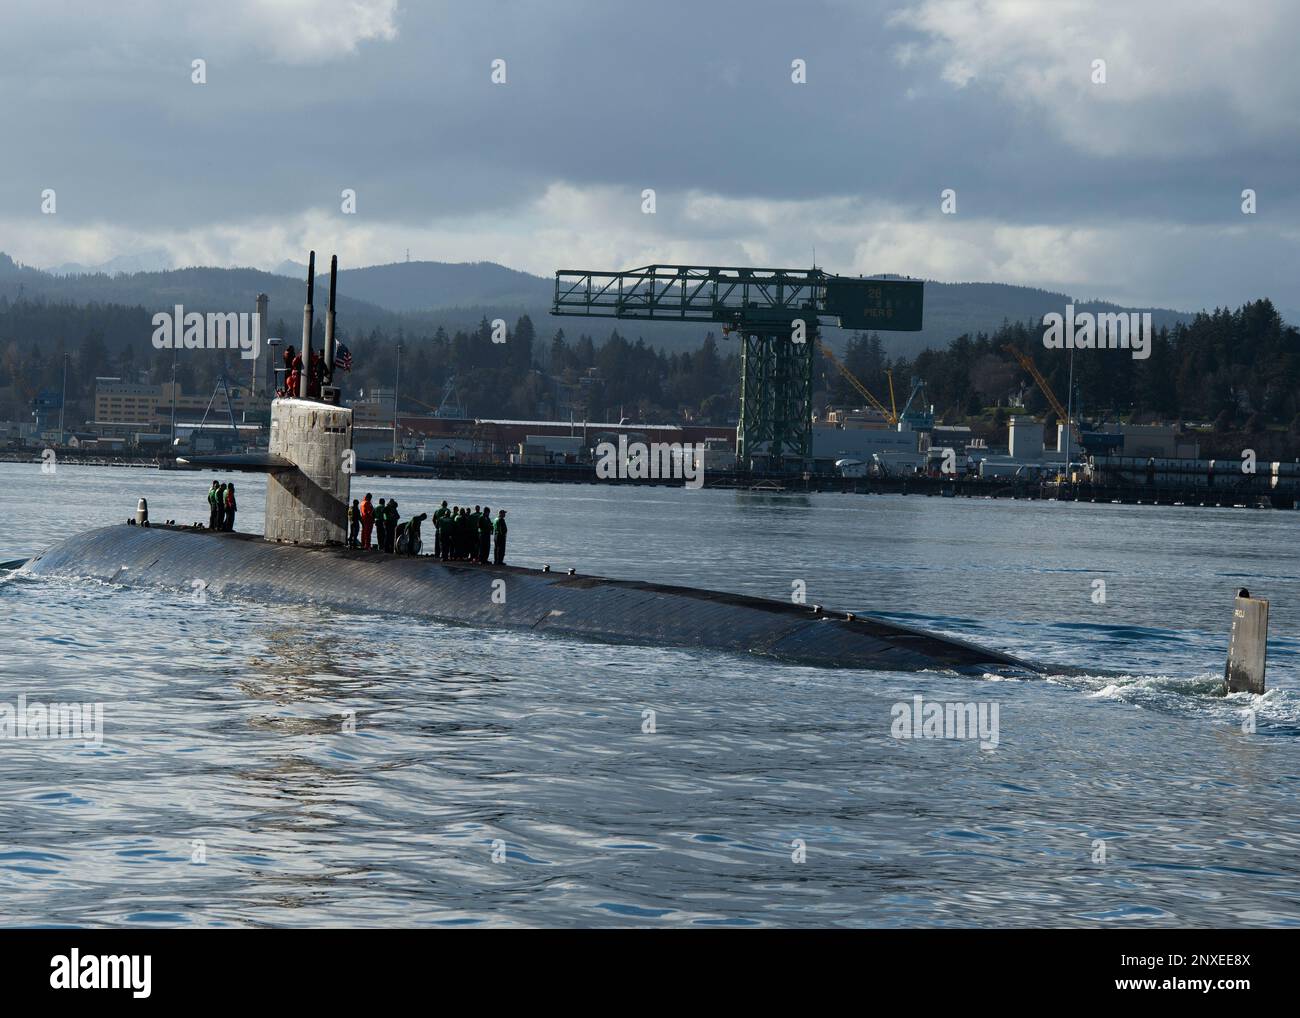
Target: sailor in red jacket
<point>295,377</point>
<point>314,375</point>
<point>288,370</point>
<point>367,520</point>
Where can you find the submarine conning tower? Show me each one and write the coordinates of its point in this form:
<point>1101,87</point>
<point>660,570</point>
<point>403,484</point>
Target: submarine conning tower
<point>310,460</point>
<point>307,499</point>
<point>308,502</point>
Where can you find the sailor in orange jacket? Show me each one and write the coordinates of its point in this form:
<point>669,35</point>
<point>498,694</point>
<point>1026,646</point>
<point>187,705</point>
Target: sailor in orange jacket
<point>367,520</point>
<point>295,378</point>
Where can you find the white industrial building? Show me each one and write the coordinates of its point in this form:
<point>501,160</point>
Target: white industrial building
<point>1026,455</point>
<point>898,449</point>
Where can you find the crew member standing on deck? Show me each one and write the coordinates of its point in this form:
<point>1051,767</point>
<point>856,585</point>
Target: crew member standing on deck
<point>437,532</point>
<point>231,506</point>
<point>381,524</point>
<point>367,521</point>
<point>438,514</point>
<point>221,507</point>
<point>443,527</point>
<point>391,529</point>
<point>499,529</point>
<point>468,528</point>
<point>413,542</point>
<point>354,522</point>
<point>483,545</point>
<point>212,506</point>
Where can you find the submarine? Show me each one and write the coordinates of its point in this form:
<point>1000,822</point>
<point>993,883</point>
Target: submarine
<point>302,558</point>
<point>507,597</point>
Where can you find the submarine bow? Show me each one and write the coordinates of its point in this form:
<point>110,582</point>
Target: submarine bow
<point>585,607</point>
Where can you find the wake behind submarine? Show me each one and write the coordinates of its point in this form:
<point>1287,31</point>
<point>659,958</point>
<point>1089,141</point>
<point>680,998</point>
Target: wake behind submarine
<point>302,558</point>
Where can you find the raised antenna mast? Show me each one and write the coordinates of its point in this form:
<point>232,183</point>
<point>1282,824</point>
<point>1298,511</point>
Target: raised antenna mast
<point>328,373</point>
<point>307,323</point>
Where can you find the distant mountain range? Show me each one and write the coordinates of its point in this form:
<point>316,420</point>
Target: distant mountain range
<point>198,289</point>
<point>417,296</point>
<point>156,260</point>
<point>430,286</point>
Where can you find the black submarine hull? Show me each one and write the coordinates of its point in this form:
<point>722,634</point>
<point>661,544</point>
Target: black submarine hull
<point>585,607</point>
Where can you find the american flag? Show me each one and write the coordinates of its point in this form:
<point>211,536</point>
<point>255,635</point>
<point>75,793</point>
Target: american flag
<point>343,358</point>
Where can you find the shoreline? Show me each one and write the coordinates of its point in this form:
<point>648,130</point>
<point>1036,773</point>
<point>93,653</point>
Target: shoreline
<point>1252,494</point>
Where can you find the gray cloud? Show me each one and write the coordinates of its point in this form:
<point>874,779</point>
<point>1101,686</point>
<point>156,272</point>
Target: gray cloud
<point>1129,190</point>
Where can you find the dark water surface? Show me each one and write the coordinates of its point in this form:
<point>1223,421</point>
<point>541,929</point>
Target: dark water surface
<point>224,728</point>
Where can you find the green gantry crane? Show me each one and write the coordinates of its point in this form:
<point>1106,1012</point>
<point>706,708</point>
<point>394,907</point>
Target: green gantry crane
<point>776,312</point>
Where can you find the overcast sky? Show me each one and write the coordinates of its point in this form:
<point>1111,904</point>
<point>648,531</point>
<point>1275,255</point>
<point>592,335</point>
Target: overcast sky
<point>1128,190</point>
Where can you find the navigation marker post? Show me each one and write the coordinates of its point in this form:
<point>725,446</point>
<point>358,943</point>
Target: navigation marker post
<point>1247,646</point>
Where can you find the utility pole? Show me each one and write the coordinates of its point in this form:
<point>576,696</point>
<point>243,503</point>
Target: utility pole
<point>1069,415</point>
<point>263,332</point>
<point>396,381</point>
<point>174,349</point>
<point>63,400</point>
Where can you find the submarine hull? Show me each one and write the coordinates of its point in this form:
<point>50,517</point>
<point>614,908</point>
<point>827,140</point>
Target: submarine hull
<point>585,607</point>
